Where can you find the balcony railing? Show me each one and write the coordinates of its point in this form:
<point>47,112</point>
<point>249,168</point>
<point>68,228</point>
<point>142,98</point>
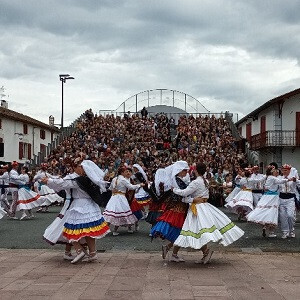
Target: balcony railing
<point>275,138</point>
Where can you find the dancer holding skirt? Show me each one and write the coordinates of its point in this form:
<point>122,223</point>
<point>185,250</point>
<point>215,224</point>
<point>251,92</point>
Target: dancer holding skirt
<point>83,219</point>
<point>204,223</point>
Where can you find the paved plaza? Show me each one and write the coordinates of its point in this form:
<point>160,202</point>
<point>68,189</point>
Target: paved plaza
<point>42,274</point>
<point>130,267</point>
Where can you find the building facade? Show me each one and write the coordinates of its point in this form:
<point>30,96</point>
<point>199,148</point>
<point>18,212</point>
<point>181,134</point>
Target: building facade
<point>272,131</point>
<point>22,137</point>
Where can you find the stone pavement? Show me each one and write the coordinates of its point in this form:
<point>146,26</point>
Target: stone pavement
<point>42,274</point>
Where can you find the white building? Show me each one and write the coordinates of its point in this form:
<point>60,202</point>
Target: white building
<point>21,136</point>
<point>273,130</point>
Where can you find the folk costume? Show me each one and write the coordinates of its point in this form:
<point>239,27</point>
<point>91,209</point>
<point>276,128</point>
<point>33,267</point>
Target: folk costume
<point>266,211</point>
<point>235,191</point>
<point>83,218</point>
<point>242,203</point>
<point>257,186</point>
<point>204,223</point>
<point>117,211</point>
<point>287,207</point>
<point>141,195</point>
<point>158,192</point>
<point>27,199</point>
<point>54,232</point>
<point>14,183</point>
<point>169,224</point>
<point>48,194</point>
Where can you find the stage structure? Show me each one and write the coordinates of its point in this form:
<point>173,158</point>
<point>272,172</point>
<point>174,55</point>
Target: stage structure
<point>170,102</point>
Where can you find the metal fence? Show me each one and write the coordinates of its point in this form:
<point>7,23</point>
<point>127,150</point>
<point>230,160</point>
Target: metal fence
<point>166,97</point>
<point>162,97</point>
<point>175,115</point>
<point>275,138</point>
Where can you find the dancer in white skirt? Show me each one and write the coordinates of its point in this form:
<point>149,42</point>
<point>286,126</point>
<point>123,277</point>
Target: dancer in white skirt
<point>204,223</point>
<point>14,183</point>
<point>27,199</point>
<point>236,189</point>
<point>266,211</point>
<point>117,211</point>
<point>242,203</point>
<point>49,194</point>
<point>142,197</point>
<point>287,207</point>
<point>83,219</point>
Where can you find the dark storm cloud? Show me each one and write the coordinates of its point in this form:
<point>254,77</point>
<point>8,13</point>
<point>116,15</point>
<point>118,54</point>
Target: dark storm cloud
<point>224,52</point>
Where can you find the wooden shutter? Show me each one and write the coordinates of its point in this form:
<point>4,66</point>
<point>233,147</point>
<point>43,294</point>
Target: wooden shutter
<point>20,150</point>
<point>29,151</point>
<point>249,131</point>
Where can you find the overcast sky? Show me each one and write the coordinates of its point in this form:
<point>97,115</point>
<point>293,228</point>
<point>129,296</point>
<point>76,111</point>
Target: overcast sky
<point>230,55</point>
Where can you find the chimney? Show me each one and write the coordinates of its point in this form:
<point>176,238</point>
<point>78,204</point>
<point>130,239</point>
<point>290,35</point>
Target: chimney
<point>4,104</point>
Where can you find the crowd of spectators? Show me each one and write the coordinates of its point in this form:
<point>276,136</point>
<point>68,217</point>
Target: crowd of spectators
<point>111,141</point>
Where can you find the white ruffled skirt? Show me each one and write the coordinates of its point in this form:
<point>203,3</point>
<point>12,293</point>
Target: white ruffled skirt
<point>84,219</point>
<point>230,197</point>
<point>54,232</point>
<point>28,199</point>
<point>266,211</point>
<point>243,199</point>
<point>49,195</point>
<point>118,212</point>
<point>209,225</point>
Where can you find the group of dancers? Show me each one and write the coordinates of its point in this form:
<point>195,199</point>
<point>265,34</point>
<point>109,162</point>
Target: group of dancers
<point>24,198</point>
<point>178,208</point>
<point>267,199</point>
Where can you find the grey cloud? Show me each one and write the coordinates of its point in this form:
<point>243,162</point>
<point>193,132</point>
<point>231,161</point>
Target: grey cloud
<point>220,51</point>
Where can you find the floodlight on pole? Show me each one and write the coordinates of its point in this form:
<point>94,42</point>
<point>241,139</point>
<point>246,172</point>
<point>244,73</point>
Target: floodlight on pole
<point>63,78</point>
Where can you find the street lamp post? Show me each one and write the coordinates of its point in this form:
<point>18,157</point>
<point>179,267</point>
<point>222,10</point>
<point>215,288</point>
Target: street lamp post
<point>63,78</point>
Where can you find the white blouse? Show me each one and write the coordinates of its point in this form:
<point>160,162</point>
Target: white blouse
<point>249,182</point>
<point>288,187</point>
<point>195,189</point>
<point>67,183</point>
<point>41,174</point>
<point>121,184</point>
<point>272,183</point>
<point>24,178</point>
<point>14,177</point>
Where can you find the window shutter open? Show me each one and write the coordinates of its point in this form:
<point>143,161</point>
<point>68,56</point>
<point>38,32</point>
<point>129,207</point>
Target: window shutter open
<point>20,150</point>
<point>29,151</point>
